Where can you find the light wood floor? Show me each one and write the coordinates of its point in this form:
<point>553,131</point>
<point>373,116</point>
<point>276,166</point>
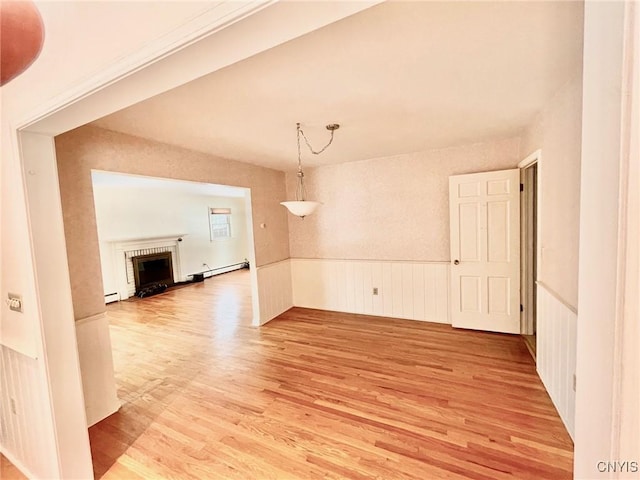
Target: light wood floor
<point>8,471</point>
<point>317,394</point>
<point>530,342</point>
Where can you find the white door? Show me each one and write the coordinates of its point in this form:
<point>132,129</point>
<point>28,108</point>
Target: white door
<point>485,250</point>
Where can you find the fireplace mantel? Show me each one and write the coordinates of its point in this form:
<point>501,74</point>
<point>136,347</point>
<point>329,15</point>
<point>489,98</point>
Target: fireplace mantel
<point>147,240</point>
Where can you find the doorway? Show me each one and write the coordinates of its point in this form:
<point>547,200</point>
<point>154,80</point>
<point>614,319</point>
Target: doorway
<point>138,217</point>
<point>529,248</point>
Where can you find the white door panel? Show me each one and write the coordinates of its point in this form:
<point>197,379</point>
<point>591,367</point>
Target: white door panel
<point>485,250</point>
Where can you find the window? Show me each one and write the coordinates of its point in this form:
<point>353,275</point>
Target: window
<point>220,223</point>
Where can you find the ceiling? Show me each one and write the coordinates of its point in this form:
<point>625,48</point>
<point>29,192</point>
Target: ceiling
<point>122,180</point>
<point>399,77</point>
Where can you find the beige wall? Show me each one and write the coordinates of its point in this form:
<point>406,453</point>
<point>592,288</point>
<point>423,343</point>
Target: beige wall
<point>557,131</point>
<point>393,208</point>
<point>89,147</point>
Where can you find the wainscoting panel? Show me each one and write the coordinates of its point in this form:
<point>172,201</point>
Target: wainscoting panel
<point>26,434</point>
<point>96,367</point>
<point>556,352</point>
<point>411,290</point>
<point>274,290</point>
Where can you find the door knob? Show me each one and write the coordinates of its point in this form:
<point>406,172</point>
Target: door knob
<point>456,262</point>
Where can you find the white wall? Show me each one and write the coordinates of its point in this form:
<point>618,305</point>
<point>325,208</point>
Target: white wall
<point>628,377</point>
<point>128,212</point>
<point>598,408</point>
<point>557,132</point>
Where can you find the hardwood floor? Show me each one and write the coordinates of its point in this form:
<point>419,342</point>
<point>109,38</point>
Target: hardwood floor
<point>317,394</point>
<point>530,342</point>
<point>8,471</point>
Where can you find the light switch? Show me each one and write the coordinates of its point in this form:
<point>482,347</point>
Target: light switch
<point>15,302</point>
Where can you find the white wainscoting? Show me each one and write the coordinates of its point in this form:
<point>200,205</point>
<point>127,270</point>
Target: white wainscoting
<point>274,290</point>
<point>411,290</point>
<point>556,352</point>
<point>26,437</point>
<point>96,367</point>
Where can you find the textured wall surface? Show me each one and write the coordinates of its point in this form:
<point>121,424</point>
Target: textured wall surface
<point>392,208</point>
<point>558,133</point>
<point>88,148</point>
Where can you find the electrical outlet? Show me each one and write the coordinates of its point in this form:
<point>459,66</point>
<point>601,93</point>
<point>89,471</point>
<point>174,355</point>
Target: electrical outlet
<point>375,290</point>
<point>12,402</point>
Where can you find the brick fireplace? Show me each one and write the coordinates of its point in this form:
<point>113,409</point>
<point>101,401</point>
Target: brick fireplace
<point>126,251</point>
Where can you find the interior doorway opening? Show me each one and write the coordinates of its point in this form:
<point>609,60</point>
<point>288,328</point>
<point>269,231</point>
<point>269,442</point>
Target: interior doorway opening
<point>191,295</point>
<point>140,217</point>
<point>529,247</point>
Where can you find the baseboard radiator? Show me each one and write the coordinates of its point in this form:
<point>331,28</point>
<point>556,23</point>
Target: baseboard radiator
<point>212,272</point>
<point>111,297</point>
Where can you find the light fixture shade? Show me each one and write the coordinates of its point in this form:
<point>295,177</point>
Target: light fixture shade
<point>301,208</point>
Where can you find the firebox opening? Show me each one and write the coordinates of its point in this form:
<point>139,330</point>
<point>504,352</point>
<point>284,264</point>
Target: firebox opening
<point>152,269</point>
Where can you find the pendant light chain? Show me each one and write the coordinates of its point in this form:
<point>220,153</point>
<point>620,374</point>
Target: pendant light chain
<point>309,145</point>
<point>301,207</point>
<point>299,153</point>
<point>300,189</point>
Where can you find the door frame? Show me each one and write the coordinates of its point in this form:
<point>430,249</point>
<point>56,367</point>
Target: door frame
<point>527,283</point>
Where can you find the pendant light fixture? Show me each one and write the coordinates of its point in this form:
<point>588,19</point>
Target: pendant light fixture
<point>301,206</point>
